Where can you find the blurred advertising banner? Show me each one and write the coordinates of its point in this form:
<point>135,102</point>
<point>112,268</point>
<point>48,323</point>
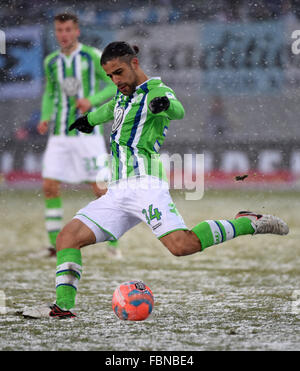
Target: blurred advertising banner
<point>2,42</point>
<point>249,68</point>
<point>262,165</point>
<point>232,59</point>
<point>242,58</point>
<point>169,51</point>
<point>21,67</point>
<point>211,57</point>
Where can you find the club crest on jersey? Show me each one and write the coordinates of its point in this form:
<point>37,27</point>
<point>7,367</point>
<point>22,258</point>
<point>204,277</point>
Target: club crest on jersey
<point>118,117</point>
<point>71,86</point>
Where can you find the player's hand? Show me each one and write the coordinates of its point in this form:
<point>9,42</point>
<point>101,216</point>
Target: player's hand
<point>159,104</point>
<point>42,127</point>
<point>82,124</point>
<point>83,104</point>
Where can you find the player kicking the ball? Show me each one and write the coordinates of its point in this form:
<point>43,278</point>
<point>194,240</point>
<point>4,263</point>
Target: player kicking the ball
<point>73,77</point>
<point>142,110</point>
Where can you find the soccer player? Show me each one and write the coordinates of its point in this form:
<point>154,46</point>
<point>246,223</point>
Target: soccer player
<point>142,110</point>
<point>73,78</point>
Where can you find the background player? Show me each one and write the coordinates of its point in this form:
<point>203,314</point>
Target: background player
<point>73,79</point>
<point>142,110</point>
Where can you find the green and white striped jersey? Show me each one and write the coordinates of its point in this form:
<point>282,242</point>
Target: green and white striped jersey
<point>137,134</point>
<point>69,78</point>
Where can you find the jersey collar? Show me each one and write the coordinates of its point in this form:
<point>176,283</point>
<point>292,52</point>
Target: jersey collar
<point>72,55</point>
<point>142,85</point>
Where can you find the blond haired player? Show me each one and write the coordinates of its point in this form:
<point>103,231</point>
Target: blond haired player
<point>75,83</point>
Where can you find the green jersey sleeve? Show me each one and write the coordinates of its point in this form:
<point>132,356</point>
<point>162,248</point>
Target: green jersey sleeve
<point>106,92</point>
<point>103,114</point>
<point>109,89</point>
<point>48,96</point>
<point>176,110</point>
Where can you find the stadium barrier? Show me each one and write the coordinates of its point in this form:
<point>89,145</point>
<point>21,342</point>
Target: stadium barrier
<point>239,165</point>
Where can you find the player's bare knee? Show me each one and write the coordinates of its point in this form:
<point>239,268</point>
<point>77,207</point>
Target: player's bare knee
<point>177,251</point>
<point>99,189</point>
<point>47,190</point>
<point>177,247</point>
<point>68,238</point>
<point>99,192</point>
<point>75,235</point>
<point>65,240</point>
<point>182,243</point>
<point>50,188</point>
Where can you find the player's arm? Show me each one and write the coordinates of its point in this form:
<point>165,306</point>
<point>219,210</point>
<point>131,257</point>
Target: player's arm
<point>102,115</point>
<point>47,102</point>
<point>163,101</point>
<point>108,90</point>
<point>84,104</point>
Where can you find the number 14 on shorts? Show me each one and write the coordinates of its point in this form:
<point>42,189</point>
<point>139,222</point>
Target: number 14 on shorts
<point>154,213</point>
<point>151,214</point>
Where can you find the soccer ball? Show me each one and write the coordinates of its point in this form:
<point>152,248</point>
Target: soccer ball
<point>132,301</point>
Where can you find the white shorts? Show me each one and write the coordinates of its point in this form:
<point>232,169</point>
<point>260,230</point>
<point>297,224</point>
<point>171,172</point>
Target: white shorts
<point>125,205</point>
<point>76,159</point>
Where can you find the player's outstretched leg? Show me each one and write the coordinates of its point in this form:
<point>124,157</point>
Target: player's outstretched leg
<point>212,232</point>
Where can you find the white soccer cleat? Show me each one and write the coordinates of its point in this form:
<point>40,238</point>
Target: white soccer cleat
<point>41,311</point>
<point>47,311</point>
<point>265,223</point>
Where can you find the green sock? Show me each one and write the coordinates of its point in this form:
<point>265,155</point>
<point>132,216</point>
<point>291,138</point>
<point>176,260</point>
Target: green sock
<point>212,232</point>
<point>53,218</point>
<point>68,273</point>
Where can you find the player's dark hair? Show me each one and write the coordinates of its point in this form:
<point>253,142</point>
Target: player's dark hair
<point>64,17</point>
<point>119,49</point>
